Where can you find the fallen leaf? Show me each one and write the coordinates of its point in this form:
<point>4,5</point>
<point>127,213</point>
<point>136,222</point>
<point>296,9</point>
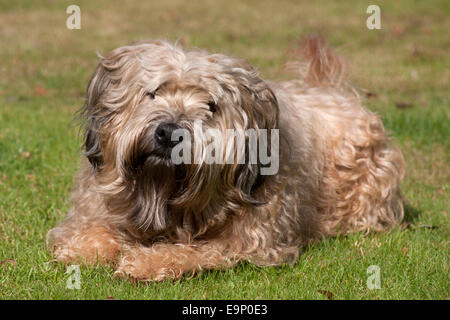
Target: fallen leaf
<point>371,95</point>
<point>110,298</point>
<point>31,177</point>
<point>8,261</point>
<point>329,294</point>
<point>25,155</point>
<point>39,91</point>
<point>398,30</point>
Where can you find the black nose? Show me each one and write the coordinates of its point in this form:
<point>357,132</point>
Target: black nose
<point>163,135</point>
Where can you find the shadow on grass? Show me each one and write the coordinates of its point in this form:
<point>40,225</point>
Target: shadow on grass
<point>411,213</point>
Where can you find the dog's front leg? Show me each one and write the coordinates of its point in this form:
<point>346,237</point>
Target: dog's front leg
<point>170,261</point>
<point>89,244</point>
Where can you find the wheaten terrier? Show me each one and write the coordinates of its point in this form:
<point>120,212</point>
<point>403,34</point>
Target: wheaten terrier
<point>153,219</point>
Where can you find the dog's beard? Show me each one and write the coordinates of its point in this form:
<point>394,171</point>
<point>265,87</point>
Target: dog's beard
<point>149,182</point>
<point>158,195</point>
<point>145,197</point>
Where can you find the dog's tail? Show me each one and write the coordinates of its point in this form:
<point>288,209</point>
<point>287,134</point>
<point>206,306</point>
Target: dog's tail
<point>319,65</point>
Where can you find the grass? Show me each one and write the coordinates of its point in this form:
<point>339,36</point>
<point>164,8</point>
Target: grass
<point>44,72</point>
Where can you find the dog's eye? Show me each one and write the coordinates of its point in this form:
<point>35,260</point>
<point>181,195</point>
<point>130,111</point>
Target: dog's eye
<point>152,94</point>
<point>212,106</point>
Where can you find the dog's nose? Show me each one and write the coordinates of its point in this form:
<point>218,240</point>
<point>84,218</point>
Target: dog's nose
<point>163,135</point>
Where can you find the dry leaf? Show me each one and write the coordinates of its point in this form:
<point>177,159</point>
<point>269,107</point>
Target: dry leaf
<point>329,294</point>
<point>39,91</point>
<point>31,177</point>
<point>25,155</point>
<point>398,30</point>
<point>8,262</point>
<point>371,95</point>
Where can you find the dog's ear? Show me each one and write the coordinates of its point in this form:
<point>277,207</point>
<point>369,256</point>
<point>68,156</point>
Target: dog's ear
<point>92,145</point>
<point>92,113</point>
<point>260,105</point>
<point>264,105</point>
<point>257,98</point>
<point>106,91</point>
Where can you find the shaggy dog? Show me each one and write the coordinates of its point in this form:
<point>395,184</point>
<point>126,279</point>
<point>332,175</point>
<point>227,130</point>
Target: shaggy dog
<point>153,219</point>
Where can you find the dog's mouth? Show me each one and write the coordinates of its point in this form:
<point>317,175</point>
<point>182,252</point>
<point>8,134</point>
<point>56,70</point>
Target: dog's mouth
<point>163,154</point>
<point>160,160</point>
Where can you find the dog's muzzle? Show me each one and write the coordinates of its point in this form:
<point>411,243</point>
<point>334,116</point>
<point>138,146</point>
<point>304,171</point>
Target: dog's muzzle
<point>163,135</point>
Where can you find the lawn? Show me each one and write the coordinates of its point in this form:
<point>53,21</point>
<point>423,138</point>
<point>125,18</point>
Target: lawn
<point>401,71</point>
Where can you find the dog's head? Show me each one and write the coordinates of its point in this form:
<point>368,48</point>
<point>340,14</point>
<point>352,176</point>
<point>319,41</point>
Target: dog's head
<point>139,97</point>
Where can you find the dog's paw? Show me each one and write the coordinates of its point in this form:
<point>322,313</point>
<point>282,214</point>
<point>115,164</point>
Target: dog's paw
<point>145,269</point>
<point>64,254</point>
<point>91,246</point>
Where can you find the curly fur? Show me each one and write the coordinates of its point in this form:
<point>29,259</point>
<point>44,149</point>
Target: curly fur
<point>153,220</point>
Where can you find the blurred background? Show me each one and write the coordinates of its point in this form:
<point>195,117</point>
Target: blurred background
<point>407,58</point>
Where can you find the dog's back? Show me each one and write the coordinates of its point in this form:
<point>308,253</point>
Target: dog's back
<point>341,149</point>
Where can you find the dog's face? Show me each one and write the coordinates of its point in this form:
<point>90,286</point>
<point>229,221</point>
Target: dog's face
<point>139,96</point>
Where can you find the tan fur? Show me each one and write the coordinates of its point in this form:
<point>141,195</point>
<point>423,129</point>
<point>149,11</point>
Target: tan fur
<point>153,221</point>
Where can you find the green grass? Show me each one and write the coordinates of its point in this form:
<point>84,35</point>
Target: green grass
<point>405,62</point>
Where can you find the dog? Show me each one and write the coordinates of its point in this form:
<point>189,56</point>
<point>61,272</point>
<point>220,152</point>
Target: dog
<point>134,208</point>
